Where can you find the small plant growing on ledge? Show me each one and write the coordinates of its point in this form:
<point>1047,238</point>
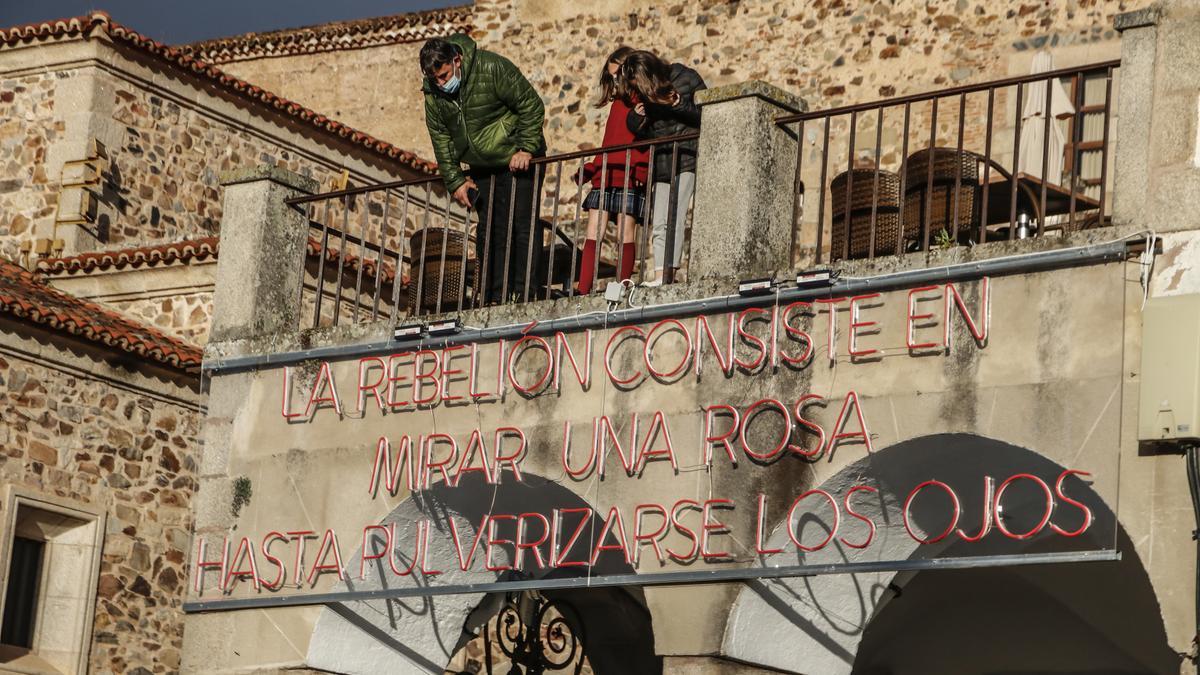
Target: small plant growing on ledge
<point>943,239</point>
<point>241,494</point>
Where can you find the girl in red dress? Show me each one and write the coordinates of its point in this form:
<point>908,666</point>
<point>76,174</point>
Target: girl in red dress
<point>618,180</point>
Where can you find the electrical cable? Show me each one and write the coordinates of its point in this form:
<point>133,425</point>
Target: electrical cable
<point>1192,458</point>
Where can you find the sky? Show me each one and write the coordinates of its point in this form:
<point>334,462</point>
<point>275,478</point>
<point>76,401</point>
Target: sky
<point>182,21</point>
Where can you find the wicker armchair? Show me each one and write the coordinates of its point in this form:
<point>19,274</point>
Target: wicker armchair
<point>425,251</point>
<point>853,239</point>
<point>932,203</point>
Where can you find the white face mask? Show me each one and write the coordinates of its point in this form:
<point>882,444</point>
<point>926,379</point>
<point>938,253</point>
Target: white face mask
<point>451,85</point>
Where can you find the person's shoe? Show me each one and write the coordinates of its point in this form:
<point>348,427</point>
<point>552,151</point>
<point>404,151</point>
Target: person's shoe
<point>652,283</point>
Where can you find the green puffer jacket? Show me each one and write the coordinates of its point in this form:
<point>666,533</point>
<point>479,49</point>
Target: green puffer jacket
<point>494,113</point>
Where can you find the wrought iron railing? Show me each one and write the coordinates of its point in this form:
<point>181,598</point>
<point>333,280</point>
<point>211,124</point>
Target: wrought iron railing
<point>1021,157</point>
<point>408,248</point>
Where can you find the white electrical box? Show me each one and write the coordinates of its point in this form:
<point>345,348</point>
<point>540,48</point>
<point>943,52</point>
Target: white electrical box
<point>1169,403</point>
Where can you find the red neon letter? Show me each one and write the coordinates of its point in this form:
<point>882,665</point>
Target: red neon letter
<point>751,413</point>
<point>447,371</point>
<point>759,345</point>
<point>910,327</point>
<point>855,324</point>
<point>1087,513</point>
<point>797,334</point>
<point>980,333</point>
<point>372,389</point>
<point>637,377</point>
<point>433,377</point>
<point>805,401</point>
<point>515,355</point>
<point>832,341</point>
<point>726,361</point>
<point>328,543</point>
<point>908,504</point>
<point>714,527</point>
<point>862,433</point>
<point>723,439</point>
<point>653,537</point>
<point>850,510</point>
<point>1048,506</point>
<point>837,517</point>
<point>684,529</point>
<point>324,381</point>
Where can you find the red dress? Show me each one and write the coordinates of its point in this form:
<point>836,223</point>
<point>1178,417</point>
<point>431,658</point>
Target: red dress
<point>616,132</point>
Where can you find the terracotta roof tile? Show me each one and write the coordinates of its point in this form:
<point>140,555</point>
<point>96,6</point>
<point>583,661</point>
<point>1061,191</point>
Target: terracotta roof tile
<point>338,35</point>
<point>192,250</point>
<point>386,276</point>
<point>177,58</point>
<point>188,251</point>
<point>26,297</point>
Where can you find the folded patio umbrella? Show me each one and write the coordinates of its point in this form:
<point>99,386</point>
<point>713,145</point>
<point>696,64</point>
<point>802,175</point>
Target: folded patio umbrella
<point>1033,123</point>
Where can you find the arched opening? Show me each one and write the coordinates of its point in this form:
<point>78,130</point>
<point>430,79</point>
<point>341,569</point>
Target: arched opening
<point>431,634</point>
<point>1094,617</point>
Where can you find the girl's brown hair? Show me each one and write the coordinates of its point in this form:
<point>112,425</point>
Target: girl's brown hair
<point>613,87</point>
<point>649,77</point>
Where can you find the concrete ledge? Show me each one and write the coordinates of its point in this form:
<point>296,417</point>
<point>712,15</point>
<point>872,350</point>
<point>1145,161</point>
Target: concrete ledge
<point>763,90</point>
<point>1141,18</point>
<point>250,174</point>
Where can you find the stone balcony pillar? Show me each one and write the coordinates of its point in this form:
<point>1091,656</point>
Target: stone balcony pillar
<point>1157,164</point>
<point>742,224</point>
<point>260,267</point>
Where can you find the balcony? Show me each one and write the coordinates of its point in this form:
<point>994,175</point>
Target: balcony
<point>1012,159</point>
<point>1026,157</point>
<point>903,179</point>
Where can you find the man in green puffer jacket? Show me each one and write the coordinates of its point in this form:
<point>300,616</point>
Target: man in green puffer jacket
<point>481,111</point>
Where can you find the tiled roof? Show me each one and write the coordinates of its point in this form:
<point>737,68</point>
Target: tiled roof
<point>143,256</point>
<point>26,297</point>
<point>386,276</point>
<point>192,250</point>
<point>338,35</point>
<point>178,59</point>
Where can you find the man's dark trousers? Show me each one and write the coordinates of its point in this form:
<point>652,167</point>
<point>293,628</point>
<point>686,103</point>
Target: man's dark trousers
<point>494,203</point>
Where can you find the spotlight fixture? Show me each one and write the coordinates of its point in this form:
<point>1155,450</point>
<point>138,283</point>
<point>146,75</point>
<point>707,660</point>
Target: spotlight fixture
<point>816,277</point>
<point>445,327</point>
<point>756,286</point>
<point>409,330</point>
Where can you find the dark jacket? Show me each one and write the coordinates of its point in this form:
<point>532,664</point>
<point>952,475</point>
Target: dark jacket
<point>661,121</point>
<point>494,113</point>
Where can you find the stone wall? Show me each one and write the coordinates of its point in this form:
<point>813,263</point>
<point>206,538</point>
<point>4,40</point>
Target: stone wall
<point>185,315</point>
<point>376,89</point>
<point>167,138</point>
<point>166,165</point>
<point>81,438</point>
<point>28,127</point>
<point>829,52</point>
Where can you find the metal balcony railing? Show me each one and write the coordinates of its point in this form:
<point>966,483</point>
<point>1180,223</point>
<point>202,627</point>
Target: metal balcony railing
<point>406,248</point>
<point>1021,157</point>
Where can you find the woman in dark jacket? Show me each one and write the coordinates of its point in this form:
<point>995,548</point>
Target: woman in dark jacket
<point>667,108</point>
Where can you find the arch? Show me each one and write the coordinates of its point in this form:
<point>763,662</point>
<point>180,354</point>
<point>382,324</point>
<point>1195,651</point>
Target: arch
<point>421,634</point>
<point>818,624</point>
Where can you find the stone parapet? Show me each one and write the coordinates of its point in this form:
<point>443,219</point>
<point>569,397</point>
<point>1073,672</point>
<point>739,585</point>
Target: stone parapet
<point>1157,181</point>
<point>743,208</point>
<point>262,252</point>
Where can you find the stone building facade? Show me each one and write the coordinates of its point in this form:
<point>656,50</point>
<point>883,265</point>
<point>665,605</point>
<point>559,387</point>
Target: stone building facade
<point>828,52</point>
<point>104,406</point>
<point>145,131</point>
<point>970,363</point>
<point>101,415</point>
<point>113,148</point>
